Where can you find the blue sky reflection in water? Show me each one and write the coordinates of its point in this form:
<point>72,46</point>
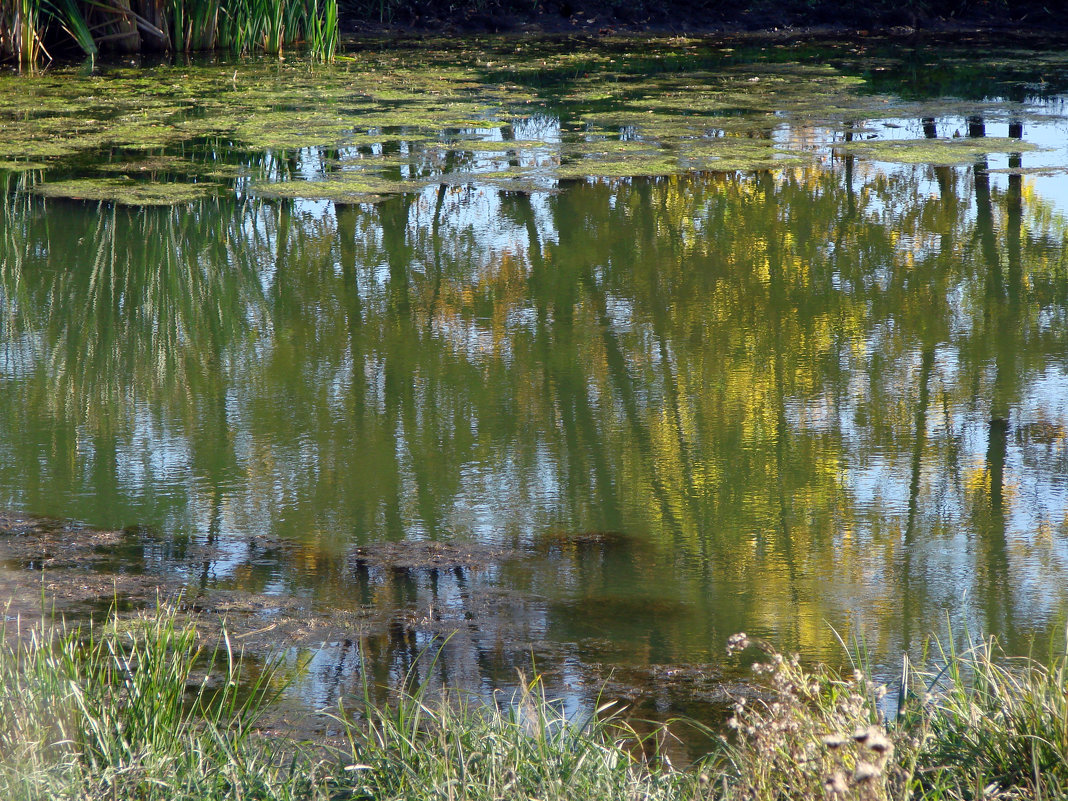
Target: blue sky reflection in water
<point>674,407</point>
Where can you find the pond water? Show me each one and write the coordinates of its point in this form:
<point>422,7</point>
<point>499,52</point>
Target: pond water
<point>623,346</point>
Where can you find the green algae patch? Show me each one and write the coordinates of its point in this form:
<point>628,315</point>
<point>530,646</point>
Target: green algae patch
<point>11,165</point>
<point>611,108</point>
<point>646,164</point>
<point>935,151</point>
<point>492,145</point>
<point>612,147</point>
<point>287,130</point>
<point>371,139</point>
<point>125,191</point>
<point>165,164</point>
<point>37,148</point>
<point>1041,171</point>
<point>349,188</point>
<point>732,154</point>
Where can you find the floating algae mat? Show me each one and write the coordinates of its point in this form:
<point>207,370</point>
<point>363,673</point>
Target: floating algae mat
<point>126,192</point>
<point>936,151</point>
<point>495,111</point>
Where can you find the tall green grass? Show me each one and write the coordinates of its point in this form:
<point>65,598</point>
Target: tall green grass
<point>242,26</point>
<point>141,709</point>
<point>121,711</point>
<point>524,748</point>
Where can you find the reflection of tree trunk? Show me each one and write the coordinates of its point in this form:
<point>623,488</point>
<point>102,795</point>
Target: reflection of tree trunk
<point>566,379</point>
<point>909,603</point>
<point>976,127</point>
<point>998,589</point>
<point>347,216</point>
<point>926,366</point>
<point>946,186</point>
<point>405,350</point>
<point>393,218</point>
<point>435,238</point>
<point>777,300</point>
<point>624,383</point>
<point>984,224</point>
<point>851,197</point>
<point>997,447</point>
<point>930,130</point>
<point>1002,318</point>
<point>661,323</point>
<point>1013,228</point>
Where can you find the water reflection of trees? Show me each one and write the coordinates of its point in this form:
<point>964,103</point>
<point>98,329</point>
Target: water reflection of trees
<point>804,395</point>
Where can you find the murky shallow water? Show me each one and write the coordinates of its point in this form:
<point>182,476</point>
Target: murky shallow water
<point>659,405</point>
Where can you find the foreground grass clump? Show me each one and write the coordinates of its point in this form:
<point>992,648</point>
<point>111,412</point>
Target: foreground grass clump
<point>118,712</point>
<point>137,709</point>
<point>529,750</point>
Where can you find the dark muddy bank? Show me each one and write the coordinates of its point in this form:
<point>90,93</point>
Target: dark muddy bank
<point>703,16</point>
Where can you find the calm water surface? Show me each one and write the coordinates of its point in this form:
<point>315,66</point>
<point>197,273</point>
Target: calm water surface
<point>830,394</point>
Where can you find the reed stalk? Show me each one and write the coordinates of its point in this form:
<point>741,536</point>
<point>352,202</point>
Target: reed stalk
<point>28,28</point>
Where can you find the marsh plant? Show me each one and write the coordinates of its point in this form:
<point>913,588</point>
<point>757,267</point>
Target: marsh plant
<point>966,724</point>
<point>30,30</point>
<point>810,733</point>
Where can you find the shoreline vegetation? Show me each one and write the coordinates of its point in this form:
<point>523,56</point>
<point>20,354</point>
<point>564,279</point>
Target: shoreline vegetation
<point>692,16</point>
<point>31,30</point>
<point>147,708</point>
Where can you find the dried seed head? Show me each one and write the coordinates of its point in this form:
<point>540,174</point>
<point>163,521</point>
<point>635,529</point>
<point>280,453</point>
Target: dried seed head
<point>865,772</point>
<point>703,780</point>
<point>861,735</point>
<point>878,743</point>
<point>737,642</point>
<point>836,784</point>
<point>833,741</point>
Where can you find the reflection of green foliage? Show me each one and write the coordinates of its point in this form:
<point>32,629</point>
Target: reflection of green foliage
<point>712,362</point>
<point>666,349</point>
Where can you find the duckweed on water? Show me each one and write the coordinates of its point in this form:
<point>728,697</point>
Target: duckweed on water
<point>351,188</point>
<point>126,192</point>
<point>600,109</point>
<point>22,166</point>
<point>935,151</point>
